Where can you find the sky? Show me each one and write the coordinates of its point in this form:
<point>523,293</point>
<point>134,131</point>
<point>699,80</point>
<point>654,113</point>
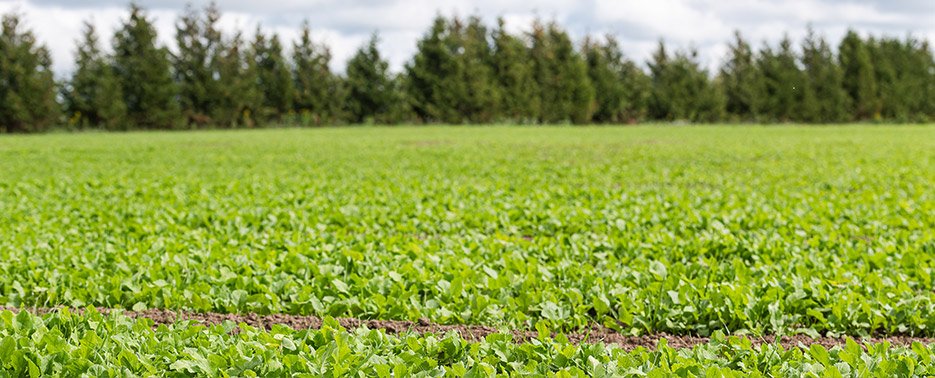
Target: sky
<point>344,25</point>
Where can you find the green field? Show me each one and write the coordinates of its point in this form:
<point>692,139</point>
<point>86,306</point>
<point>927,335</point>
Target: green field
<point>734,230</point>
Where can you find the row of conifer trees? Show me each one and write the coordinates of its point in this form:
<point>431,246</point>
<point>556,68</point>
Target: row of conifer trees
<point>463,72</point>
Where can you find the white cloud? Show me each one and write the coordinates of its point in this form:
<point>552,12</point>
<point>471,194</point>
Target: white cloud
<point>677,21</point>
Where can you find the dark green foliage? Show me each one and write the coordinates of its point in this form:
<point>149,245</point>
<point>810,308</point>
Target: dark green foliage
<point>432,77</point>
<point>923,66</point>
<point>196,65</point>
<point>513,70</point>
<point>93,97</point>
<point>682,90</point>
<point>783,82</point>
<point>143,70</point>
<point>904,72</point>
<point>859,80</point>
<point>452,78</point>
<point>621,88</point>
<point>742,81</point>
<point>372,95</point>
<point>318,92</point>
<point>459,75</point>
<point>274,77</point>
<point>825,99</point>
<point>479,95</point>
<point>609,89</point>
<point>27,88</point>
<point>462,72</point>
<point>239,98</point>
<point>565,91</point>
<point>639,92</point>
<point>424,72</point>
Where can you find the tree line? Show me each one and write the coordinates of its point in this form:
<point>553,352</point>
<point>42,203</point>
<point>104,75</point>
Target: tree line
<point>463,71</point>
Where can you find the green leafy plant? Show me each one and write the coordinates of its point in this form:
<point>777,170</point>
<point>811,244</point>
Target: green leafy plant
<point>759,231</point>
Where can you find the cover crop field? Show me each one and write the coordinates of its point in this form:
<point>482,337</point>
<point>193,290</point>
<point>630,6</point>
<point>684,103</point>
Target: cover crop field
<point>735,235</point>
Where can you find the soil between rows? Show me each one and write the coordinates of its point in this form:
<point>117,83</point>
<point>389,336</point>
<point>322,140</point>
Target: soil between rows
<point>470,332</point>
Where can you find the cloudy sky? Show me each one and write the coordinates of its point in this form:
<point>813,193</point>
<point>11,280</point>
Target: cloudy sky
<point>639,24</point>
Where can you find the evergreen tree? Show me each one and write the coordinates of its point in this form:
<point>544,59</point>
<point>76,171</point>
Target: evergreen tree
<point>566,93</point>
<point>27,88</point>
<point>480,97</point>
<point>783,82</point>
<point>918,80</point>
<point>273,76</point>
<point>620,86</point>
<point>884,75</point>
<point>682,90</point>
<point>430,74</point>
<point>887,55</point>
<point>922,52</point>
<point>239,96</point>
<point>198,38</point>
<point>741,81</point>
<point>639,92</point>
<point>826,101</point>
<point>859,80</point>
<point>372,95</point>
<point>660,107</point>
<point>514,74</point>
<point>609,91</point>
<point>905,75</point>
<point>462,72</point>
<point>402,110</point>
<point>93,97</point>
<point>143,70</point>
<point>318,91</point>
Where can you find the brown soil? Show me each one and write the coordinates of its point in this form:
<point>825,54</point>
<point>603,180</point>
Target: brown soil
<point>471,332</point>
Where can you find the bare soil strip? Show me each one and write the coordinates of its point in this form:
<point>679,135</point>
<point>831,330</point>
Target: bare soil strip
<point>471,332</point>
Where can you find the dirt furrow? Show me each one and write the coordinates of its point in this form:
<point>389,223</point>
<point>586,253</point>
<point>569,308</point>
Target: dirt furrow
<point>470,332</point>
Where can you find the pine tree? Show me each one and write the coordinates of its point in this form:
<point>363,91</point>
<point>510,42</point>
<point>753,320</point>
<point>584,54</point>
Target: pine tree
<point>27,88</point>
<point>859,80</point>
<point>93,97</point>
<point>741,81</point>
<point>372,95</point>
<point>458,74</point>
<point>429,76</point>
<point>318,91</point>
<point>198,38</point>
<point>885,73</point>
<point>918,79</point>
<point>922,53</point>
<point>481,95</point>
<point>402,110</point>
<point>274,77</point>
<point>783,82</point>
<point>453,91</point>
<point>248,84</point>
<point>617,82</point>
<point>238,97</point>
<point>143,70</point>
<point>638,94</point>
<point>660,105</point>
<point>905,75</point>
<point>826,101</point>
<point>514,74</point>
<point>682,90</point>
<point>566,93</point>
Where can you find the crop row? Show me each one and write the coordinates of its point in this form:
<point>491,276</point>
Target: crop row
<point>63,343</point>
